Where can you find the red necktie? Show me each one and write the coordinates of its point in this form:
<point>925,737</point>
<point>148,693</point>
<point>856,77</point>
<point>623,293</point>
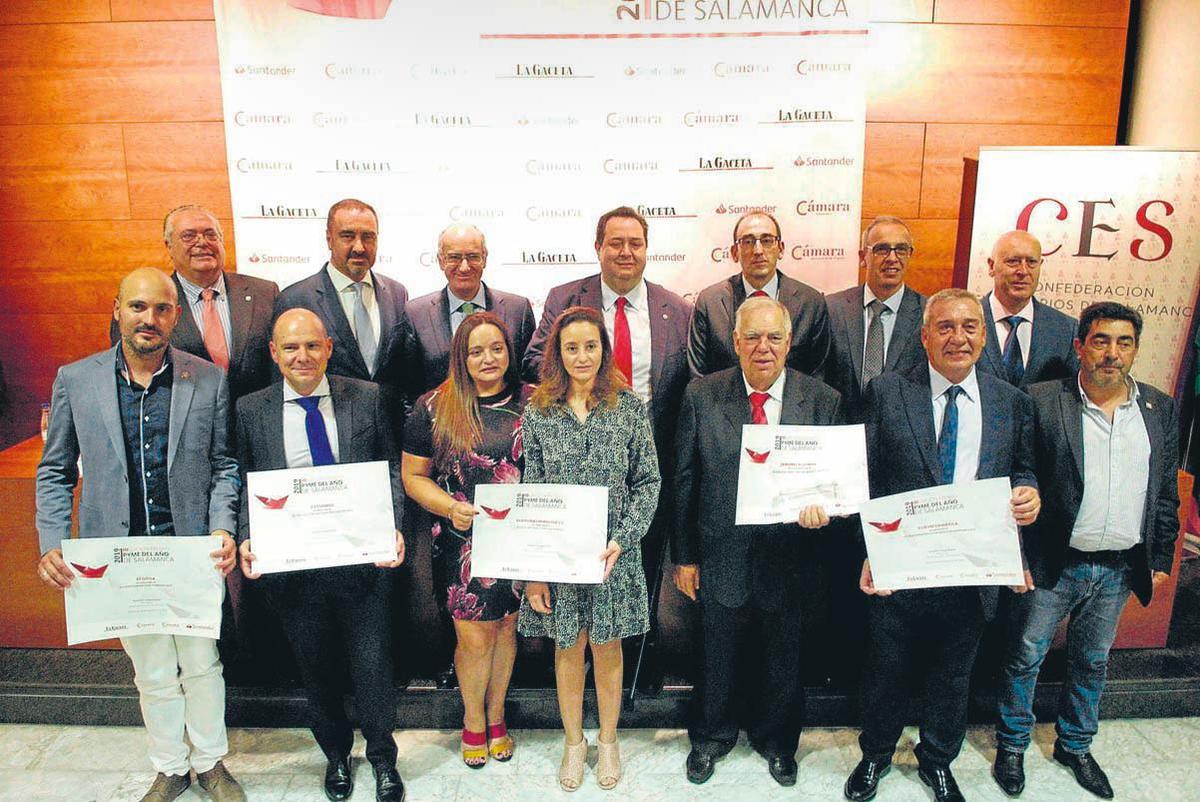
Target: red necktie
<point>622,344</point>
<point>758,414</point>
<point>214,333</point>
<point>758,294</point>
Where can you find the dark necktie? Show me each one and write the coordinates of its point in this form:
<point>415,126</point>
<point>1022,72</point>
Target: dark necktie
<point>622,343</point>
<point>314,427</point>
<point>758,294</point>
<point>1014,362</point>
<point>758,412</point>
<point>947,445</point>
<point>873,356</point>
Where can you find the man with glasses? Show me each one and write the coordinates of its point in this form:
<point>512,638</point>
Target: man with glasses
<point>875,327</point>
<point>1028,341</point>
<point>757,246</point>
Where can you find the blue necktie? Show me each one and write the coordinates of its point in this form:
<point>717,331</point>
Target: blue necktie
<point>948,439</point>
<point>314,427</point>
<point>1014,362</point>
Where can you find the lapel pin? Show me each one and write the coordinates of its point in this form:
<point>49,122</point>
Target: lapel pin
<point>185,375</point>
<point>1149,405</point>
<point>664,315</point>
<point>247,297</point>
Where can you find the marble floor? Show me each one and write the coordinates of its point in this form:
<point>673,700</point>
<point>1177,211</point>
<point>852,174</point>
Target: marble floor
<point>1155,760</point>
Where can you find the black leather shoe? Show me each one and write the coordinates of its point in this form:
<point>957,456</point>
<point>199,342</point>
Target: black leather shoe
<point>939,778</point>
<point>1086,770</point>
<point>864,780</point>
<point>702,761</point>
<point>782,768</point>
<point>339,781</point>
<point>388,785</point>
<point>1008,770</point>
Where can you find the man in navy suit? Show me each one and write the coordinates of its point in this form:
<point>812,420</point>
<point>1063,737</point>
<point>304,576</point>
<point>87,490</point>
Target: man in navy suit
<point>1107,454</point>
<point>462,256</point>
<point>1028,341</point>
<point>935,631</point>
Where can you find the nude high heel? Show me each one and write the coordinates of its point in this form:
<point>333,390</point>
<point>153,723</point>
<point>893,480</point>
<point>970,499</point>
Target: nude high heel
<point>574,759</point>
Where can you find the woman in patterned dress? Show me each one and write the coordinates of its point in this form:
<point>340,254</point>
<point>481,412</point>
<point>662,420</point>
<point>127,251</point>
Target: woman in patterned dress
<point>466,432</point>
<point>584,426</point>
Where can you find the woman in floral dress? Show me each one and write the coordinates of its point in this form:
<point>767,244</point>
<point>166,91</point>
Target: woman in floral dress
<point>584,426</point>
<point>463,433</point>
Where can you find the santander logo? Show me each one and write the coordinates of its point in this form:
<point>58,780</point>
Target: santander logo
<point>272,503</point>
<point>90,573</point>
<point>758,457</point>
<point>886,526</point>
<point>498,515</point>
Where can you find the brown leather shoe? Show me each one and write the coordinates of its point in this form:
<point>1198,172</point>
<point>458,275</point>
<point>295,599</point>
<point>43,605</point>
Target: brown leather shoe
<point>220,784</point>
<point>167,787</point>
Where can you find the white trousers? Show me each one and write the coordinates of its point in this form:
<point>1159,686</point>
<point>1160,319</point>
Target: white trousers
<point>180,687</point>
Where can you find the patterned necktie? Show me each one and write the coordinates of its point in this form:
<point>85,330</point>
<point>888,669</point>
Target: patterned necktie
<point>758,412</point>
<point>467,309</point>
<point>1014,362</point>
<point>947,445</point>
<point>873,356</point>
<point>362,328</point>
<point>622,343</point>
<point>314,427</point>
<point>758,294</point>
<point>214,332</point>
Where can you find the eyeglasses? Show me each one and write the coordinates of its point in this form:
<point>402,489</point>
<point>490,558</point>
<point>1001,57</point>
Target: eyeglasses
<point>1016,261</point>
<point>191,236</point>
<point>473,259</point>
<point>881,250</point>
<point>766,240</point>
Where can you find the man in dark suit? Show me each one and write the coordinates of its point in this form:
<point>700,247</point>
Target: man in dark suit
<point>745,577</point>
<point>462,256</point>
<point>985,430</point>
<point>875,327</point>
<point>335,618</point>
<point>1028,341</point>
<point>757,246</point>
<point>647,325</point>
<point>1107,455</point>
<point>363,312</point>
<point>226,317</point>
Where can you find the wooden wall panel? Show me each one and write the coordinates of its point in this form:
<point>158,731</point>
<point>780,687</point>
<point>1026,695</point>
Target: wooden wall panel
<point>1091,14</point>
<point>109,72</point>
<point>62,172</point>
<point>933,257</point>
<point>892,169</point>
<point>175,163</point>
<point>996,74</point>
<point>141,10</point>
<point>947,145</point>
<point>25,12</point>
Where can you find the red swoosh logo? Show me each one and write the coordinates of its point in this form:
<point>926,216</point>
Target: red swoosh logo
<point>758,457</point>
<point>90,573</point>
<point>499,515</point>
<point>272,503</point>
<point>886,526</point>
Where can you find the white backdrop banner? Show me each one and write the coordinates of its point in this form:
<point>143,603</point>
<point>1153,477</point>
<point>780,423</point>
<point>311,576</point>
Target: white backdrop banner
<point>530,119</point>
<point>1116,224</point>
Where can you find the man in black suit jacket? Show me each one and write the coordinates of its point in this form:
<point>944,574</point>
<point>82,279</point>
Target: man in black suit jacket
<point>875,327</point>
<point>744,576</point>
<point>242,305</point>
<point>656,329</point>
<point>1042,348</point>
<point>1107,456</point>
<point>462,256</point>
<point>335,618</point>
<point>757,246</point>
<point>936,630</point>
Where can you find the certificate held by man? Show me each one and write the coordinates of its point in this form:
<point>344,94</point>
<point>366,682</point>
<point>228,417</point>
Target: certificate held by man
<point>542,533</point>
<point>784,469</point>
<point>331,515</point>
<point>142,586</point>
<point>957,534</point>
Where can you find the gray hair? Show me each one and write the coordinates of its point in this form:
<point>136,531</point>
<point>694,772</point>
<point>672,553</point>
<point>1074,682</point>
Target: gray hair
<point>950,294</point>
<point>464,227</point>
<point>169,220</point>
<point>883,220</point>
<point>751,304</point>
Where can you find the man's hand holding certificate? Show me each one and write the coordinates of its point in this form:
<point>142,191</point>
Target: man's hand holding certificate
<point>785,469</point>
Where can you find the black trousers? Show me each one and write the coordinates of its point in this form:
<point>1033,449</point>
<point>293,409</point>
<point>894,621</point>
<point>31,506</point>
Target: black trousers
<point>338,623</point>
<point>928,637</point>
<point>767,644</point>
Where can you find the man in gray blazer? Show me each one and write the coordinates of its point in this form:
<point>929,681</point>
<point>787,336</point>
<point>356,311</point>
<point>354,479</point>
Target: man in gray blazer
<point>757,246</point>
<point>462,256</point>
<point>154,447</point>
<point>337,620</point>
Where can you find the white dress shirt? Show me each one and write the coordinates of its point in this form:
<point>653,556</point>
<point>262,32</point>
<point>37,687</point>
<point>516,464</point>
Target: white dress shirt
<point>1024,334</point>
<point>295,435</point>
<point>637,313</point>
<point>345,290</point>
<point>454,302</point>
<point>773,406</point>
<point>891,309</point>
<point>970,421</point>
<point>771,288</point>
<point>196,305</point>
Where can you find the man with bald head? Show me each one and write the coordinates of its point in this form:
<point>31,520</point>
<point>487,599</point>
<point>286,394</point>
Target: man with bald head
<point>462,256</point>
<point>1028,341</point>
<point>155,449</point>
<point>336,619</point>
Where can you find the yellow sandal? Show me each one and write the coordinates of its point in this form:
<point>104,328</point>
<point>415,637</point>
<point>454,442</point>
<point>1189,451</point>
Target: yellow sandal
<point>474,748</point>
<point>500,744</point>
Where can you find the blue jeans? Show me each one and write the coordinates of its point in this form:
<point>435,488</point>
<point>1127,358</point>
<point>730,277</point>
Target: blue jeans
<point>1093,593</point>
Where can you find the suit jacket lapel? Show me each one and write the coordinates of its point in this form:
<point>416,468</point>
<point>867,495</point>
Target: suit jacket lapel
<point>386,303</point>
<point>331,309</point>
<point>797,407</point>
<point>854,316</point>
<point>344,414</point>
<point>1154,432</point>
<point>737,406</point>
<point>908,325</point>
<point>439,322</point>
<point>241,311</point>
<point>994,421</point>
<point>1070,407</point>
<point>656,307</point>
<point>589,293</point>
<point>991,348</point>
<point>187,334</point>
<point>270,425</point>
<point>918,407</point>
<point>183,386</point>
<point>110,413</point>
